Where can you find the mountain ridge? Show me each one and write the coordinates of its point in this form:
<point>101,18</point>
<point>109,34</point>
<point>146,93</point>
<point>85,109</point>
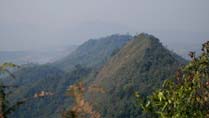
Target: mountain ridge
<point>141,65</point>
<point>94,52</point>
<point>56,78</point>
<point>121,64</point>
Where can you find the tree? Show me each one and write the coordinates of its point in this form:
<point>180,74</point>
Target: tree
<point>82,108</point>
<point>5,108</point>
<point>5,90</point>
<point>186,95</point>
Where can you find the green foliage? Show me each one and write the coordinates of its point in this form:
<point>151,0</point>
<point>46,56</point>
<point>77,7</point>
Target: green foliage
<point>186,96</point>
<point>4,68</point>
<point>44,78</point>
<point>5,107</point>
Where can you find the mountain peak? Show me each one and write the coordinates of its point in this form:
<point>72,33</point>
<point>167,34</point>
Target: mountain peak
<point>95,51</point>
<point>147,37</point>
<point>141,65</point>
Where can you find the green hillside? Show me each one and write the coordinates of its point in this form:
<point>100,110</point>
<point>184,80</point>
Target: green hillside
<point>56,77</point>
<point>141,65</point>
<point>51,80</point>
<point>94,52</point>
<point>119,65</point>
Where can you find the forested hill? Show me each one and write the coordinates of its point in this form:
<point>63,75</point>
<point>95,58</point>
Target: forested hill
<point>121,64</point>
<point>56,77</point>
<point>141,65</point>
<point>94,52</point>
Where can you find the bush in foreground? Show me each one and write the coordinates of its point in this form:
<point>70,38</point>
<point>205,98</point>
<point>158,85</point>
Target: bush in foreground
<point>186,96</point>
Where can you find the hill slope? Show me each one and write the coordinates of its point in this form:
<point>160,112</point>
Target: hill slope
<point>94,52</point>
<point>141,65</point>
<point>89,56</point>
<point>49,79</point>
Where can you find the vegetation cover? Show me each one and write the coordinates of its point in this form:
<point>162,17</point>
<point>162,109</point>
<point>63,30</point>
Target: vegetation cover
<point>186,96</point>
<point>56,77</point>
<point>110,77</point>
<point>5,107</point>
<point>141,65</point>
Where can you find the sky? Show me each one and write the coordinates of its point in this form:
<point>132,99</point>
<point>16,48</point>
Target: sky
<point>45,24</point>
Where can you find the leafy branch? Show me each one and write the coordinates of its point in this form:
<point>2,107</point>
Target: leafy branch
<point>186,96</point>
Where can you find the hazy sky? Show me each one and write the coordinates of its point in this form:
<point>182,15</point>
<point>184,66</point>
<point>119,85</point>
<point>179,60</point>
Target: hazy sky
<point>40,24</point>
